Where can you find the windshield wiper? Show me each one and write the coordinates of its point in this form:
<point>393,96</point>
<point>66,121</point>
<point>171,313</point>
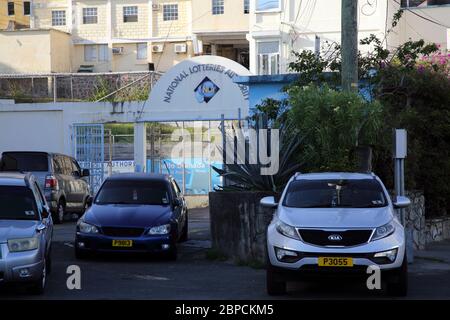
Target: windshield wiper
<point>318,206</point>
<point>115,202</point>
<point>371,206</point>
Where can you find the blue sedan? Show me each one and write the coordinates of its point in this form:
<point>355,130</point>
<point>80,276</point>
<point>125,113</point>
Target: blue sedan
<point>142,213</point>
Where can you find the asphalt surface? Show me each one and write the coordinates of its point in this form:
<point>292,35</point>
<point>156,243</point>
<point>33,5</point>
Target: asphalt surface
<point>193,276</point>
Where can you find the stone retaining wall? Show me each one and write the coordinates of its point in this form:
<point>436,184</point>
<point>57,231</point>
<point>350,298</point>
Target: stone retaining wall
<point>424,230</point>
<point>238,225</point>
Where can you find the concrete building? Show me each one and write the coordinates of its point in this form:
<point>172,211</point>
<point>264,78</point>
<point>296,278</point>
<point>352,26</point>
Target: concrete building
<point>428,20</point>
<point>220,28</point>
<point>279,27</point>
<point>135,35</point>
<point>14,14</point>
<point>35,51</point>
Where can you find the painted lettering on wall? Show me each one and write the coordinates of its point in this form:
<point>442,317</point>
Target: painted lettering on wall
<point>183,75</point>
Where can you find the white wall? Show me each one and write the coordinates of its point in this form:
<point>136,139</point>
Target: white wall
<point>32,131</point>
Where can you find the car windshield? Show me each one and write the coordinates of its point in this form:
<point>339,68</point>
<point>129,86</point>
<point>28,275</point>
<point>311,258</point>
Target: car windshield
<point>133,192</point>
<point>22,161</point>
<point>364,193</point>
<point>17,203</point>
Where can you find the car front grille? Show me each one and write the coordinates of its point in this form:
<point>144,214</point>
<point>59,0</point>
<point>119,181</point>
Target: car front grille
<point>325,238</point>
<point>122,232</point>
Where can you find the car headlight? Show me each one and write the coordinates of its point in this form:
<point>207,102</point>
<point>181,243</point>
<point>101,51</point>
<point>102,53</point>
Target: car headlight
<point>384,231</point>
<point>162,229</point>
<point>86,227</point>
<point>390,255</point>
<point>286,230</point>
<point>25,244</point>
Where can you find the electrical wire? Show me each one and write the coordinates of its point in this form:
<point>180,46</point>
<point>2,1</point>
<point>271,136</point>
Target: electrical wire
<point>424,18</point>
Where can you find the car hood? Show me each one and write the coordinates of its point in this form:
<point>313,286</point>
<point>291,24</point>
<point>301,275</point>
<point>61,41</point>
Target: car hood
<point>120,215</point>
<point>335,217</point>
<point>16,229</point>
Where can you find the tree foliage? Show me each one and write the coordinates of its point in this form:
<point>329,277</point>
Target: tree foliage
<point>333,125</point>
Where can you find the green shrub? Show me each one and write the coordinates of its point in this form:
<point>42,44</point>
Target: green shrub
<point>333,124</point>
<point>419,101</point>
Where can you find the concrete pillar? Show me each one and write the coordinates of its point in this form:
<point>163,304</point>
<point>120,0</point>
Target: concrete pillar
<point>140,146</point>
<point>213,49</point>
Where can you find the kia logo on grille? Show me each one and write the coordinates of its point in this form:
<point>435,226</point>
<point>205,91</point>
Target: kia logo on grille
<point>334,237</point>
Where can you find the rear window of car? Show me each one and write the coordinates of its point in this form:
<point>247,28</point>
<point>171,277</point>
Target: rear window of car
<point>17,203</point>
<point>363,193</point>
<point>133,192</point>
<point>22,161</point>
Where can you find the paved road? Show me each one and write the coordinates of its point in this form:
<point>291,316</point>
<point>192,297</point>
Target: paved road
<point>195,277</point>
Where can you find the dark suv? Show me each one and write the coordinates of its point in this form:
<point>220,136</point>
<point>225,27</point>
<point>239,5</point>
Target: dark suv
<point>60,176</point>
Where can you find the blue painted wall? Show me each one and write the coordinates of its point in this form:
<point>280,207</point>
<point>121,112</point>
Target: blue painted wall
<point>271,86</point>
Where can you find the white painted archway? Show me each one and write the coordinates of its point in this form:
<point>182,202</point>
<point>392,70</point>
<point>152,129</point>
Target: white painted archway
<point>200,88</point>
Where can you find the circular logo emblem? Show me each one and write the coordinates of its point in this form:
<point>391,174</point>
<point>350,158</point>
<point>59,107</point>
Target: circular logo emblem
<point>335,237</point>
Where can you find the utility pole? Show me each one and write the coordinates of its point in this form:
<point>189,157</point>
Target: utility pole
<point>349,45</point>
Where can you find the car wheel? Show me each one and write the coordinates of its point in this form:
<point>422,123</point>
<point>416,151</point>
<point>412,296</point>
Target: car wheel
<point>172,254</point>
<point>398,284</point>
<point>80,255</point>
<point>38,286</point>
<point>274,283</point>
<point>185,231</point>
<point>60,212</point>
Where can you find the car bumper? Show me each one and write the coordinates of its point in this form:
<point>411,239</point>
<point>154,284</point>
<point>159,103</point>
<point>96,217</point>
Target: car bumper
<point>20,266</point>
<point>102,243</point>
<point>52,199</point>
<point>362,255</point>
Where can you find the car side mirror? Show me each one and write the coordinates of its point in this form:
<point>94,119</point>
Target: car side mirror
<point>402,202</point>
<point>268,202</point>
<point>89,201</point>
<point>76,174</point>
<point>85,173</point>
<point>45,212</point>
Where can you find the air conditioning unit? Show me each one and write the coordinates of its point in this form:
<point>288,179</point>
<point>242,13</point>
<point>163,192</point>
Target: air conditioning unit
<point>180,48</point>
<point>156,7</point>
<point>157,48</point>
<point>117,50</point>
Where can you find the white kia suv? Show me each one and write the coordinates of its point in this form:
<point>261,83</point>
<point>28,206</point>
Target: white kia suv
<point>335,224</point>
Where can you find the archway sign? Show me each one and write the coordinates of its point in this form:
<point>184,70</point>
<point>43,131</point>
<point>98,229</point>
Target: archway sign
<point>199,88</point>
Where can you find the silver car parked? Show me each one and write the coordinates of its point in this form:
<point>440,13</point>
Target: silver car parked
<point>26,229</point>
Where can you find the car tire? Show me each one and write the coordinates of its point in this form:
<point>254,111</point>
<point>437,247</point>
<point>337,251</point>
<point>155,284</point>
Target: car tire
<point>172,254</point>
<point>60,212</point>
<point>80,255</point>
<point>398,283</point>
<point>38,287</point>
<point>185,232</point>
<point>275,285</point>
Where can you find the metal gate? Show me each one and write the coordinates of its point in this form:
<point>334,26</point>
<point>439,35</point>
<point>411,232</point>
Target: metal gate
<point>89,151</point>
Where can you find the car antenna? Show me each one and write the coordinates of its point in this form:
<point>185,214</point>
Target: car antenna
<point>167,167</point>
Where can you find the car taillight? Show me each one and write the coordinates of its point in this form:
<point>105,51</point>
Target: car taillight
<point>51,182</point>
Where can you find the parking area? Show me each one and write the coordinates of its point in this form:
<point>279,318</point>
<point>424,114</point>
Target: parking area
<point>193,276</point>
